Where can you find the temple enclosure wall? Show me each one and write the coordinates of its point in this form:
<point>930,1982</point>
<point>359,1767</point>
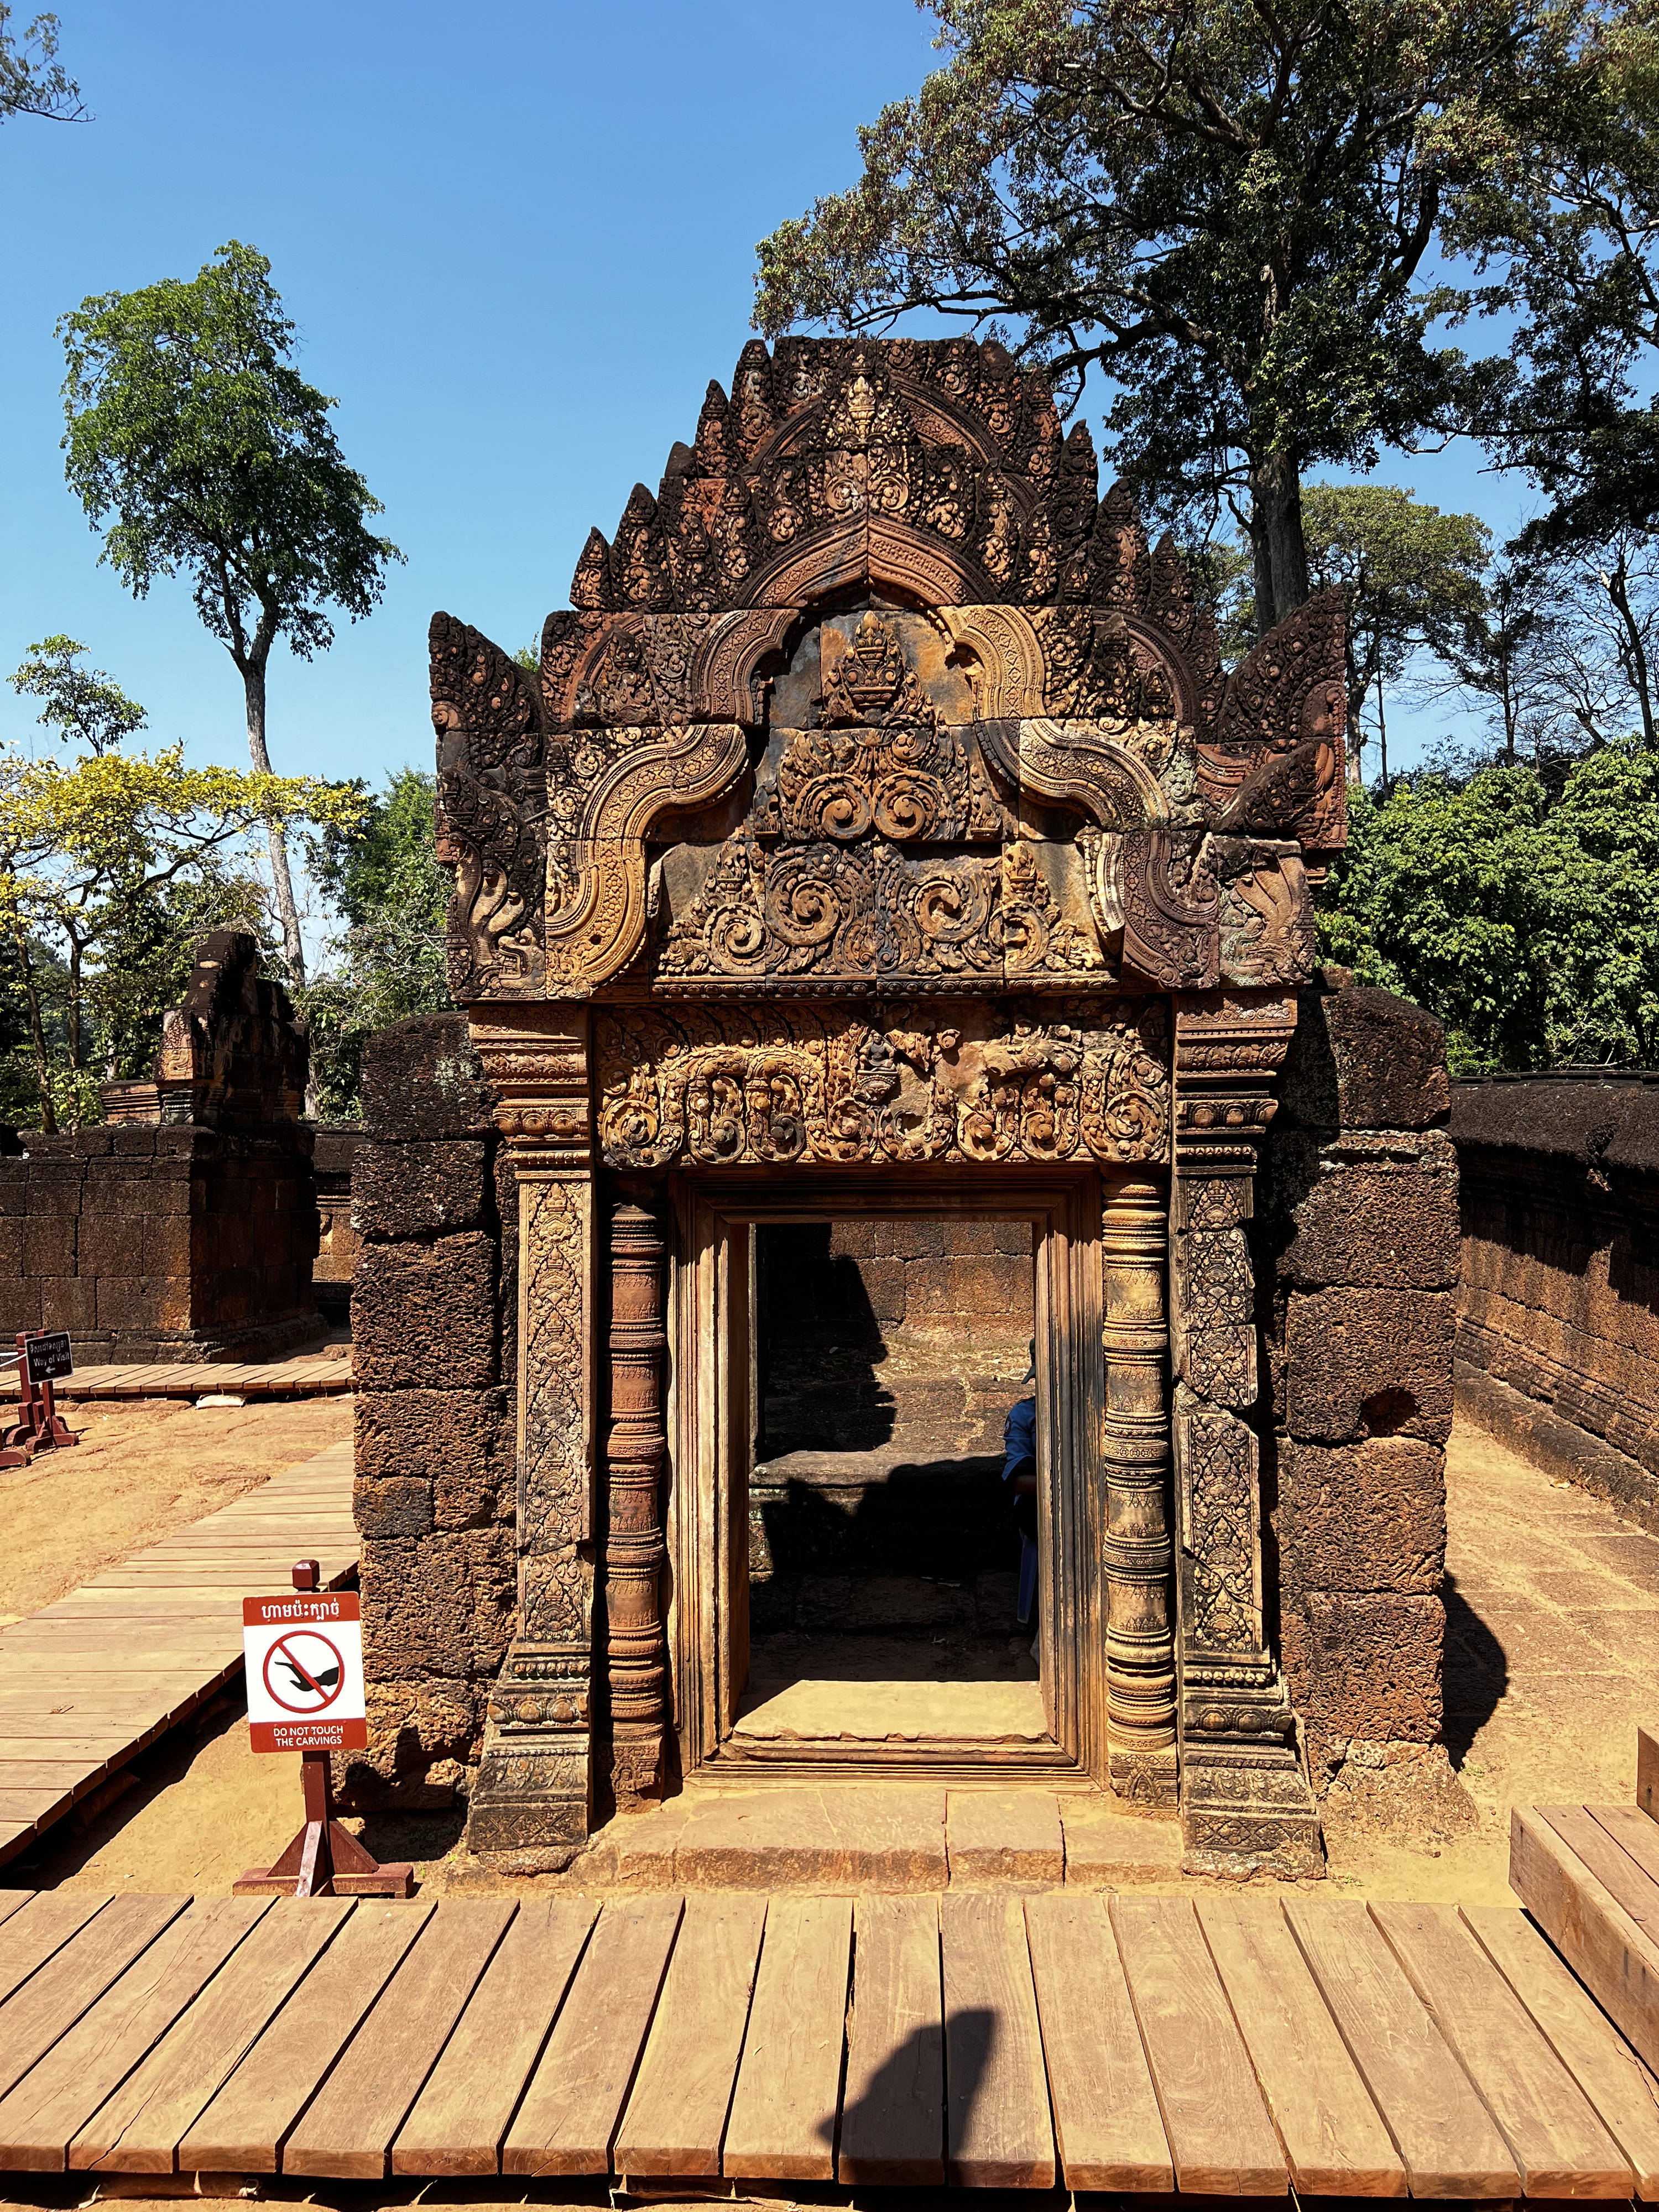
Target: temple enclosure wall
<point>1558,1335</point>
<point>188,1234</point>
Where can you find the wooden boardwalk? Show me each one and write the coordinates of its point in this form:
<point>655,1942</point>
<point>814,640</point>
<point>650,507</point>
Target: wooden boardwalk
<point>86,1683</point>
<point>326,1374</point>
<point>1242,2047</point>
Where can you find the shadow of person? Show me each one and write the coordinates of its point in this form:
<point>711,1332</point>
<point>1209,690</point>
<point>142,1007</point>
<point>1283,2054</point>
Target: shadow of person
<point>1475,1674</point>
<point>893,2131</point>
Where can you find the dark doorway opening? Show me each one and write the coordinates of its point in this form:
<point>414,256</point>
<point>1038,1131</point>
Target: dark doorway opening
<point>884,1544</point>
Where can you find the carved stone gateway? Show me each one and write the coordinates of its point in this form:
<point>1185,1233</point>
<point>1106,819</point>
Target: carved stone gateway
<point>883,829</point>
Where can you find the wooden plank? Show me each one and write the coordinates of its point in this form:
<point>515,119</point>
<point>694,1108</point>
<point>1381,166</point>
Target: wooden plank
<point>998,2134</point>
<point>1560,2146</point>
<point>676,2114</point>
<point>37,1807</point>
<point>44,1924</point>
<point>462,2114</point>
<point>892,2114</point>
<point>1105,2109</point>
<point>1221,2137</point>
<point>1636,1835</point>
<point>1584,1835</point>
<point>1617,1961</point>
<point>349,2128</point>
<point>1440,2127</point>
<point>138,2129</point>
<point>1333,2137</point>
<point>783,2109</point>
<point>571,2108</point>
<point>39,2118</point>
<point>1592,2050</point>
<point>243,2128</point>
<point>51,2002</point>
<point>1647,1772</point>
<point>12,1901</point>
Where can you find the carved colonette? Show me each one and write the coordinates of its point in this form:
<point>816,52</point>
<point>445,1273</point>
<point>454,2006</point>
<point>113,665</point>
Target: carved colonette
<point>883,798</point>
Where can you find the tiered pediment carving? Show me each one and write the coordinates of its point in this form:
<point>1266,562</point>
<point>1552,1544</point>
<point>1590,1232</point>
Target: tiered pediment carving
<point>875,694</point>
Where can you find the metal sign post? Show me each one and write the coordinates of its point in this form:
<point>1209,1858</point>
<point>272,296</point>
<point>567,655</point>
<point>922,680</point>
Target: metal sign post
<point>304,1657</point>
<point>43,1358</point>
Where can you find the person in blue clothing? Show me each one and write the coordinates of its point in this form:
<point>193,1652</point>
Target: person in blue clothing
<point>1019,1468</point>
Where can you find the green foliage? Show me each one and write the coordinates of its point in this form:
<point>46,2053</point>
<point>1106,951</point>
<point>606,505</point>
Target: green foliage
<point>1526,923</point>
<point>384,877</point>
<point>1227,207</point>
<point>33,81</point>
<point>81,703</point>
<point>188,426</point>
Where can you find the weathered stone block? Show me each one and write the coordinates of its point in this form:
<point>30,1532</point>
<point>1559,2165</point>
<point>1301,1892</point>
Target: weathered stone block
<point>983,1287</point>
<point>463,1442</point>
<point>424,1315</point>
<point>14,1188</point>
<point>1369,1223</point>
<point>1363,1363</point>
<point>421,1736</point>
<point>11,1243</point>
<point>1370,1667</point>
<point>1365,1059</point>
<point>69,1302</point>
<point>442,1604</point>
<point>111,1243</point>
<point>1367,1516</point>
<point>49,1244</point>
<point>421,1080</point>
<point>884,1282</point>
<point>399,1506</point>
<point>417,1189</point>
<point>167,1243</point>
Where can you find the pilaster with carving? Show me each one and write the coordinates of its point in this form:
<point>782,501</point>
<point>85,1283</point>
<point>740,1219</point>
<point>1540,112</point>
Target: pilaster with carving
<point>1245,1799</point>
<point>534,1795</point>
<point>1140,1671</point>
<point>633,1550</point>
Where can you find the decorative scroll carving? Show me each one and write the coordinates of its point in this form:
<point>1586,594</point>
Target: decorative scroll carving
<point>699,1088</point>
<point>596,891</point>
<point>1271,763</point>
<point>1140,1676</point>
<point>634,1549</point>
<point>491,813</point>
<point>652,670</point>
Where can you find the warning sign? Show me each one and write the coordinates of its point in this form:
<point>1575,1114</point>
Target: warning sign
<point>305,1672</point>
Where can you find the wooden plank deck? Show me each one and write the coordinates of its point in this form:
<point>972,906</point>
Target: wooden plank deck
<point>1244,2048</point>
<point>87,1683</point>
<point>325,1374</point>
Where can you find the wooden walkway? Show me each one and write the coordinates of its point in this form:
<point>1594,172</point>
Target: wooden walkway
<point>1240,2047</point>
<point>326,1374</point>
<point>86,1683</point>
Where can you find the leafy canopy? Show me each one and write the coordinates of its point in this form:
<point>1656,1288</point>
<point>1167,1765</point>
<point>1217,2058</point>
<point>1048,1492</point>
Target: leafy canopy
<point>1227,205</point>
<point>81,704</point>
<point>1528,926</point>
<point>33,81</point>
<point>188,425</point>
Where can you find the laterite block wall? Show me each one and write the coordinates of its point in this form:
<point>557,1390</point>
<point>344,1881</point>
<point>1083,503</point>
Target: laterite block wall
<point>434,1309</point>
<point>1357,1265</point>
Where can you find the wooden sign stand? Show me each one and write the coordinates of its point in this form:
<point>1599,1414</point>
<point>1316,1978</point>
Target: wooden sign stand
<point>325,1859</point>
<point>40,1426</point>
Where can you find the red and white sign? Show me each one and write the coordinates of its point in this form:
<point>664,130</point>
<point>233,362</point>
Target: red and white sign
<point>303,1654</point>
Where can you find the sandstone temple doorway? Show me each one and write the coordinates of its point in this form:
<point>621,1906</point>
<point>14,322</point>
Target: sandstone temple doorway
<point>884,1546</point>
<point>844,1362</point>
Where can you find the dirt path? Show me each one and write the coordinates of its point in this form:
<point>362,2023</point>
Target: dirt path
<point>139,1471</point>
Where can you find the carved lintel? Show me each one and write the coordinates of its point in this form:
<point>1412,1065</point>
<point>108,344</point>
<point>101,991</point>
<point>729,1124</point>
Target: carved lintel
<point>1140,1669</point>
<point>537,1059</point>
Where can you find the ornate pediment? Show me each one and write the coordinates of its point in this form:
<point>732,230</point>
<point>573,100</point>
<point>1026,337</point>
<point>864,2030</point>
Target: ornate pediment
<point>874,693</point>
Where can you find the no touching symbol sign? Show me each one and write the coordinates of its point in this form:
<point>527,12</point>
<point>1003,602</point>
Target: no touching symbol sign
<point>305,1672</point>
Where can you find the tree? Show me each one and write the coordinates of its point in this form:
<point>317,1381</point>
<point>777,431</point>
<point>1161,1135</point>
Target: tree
<point>1226,206</point>
<point>383,875</point>
<point>33,81</point>
<point>82,703</point>
<point>85,849</point>
<point>189,428</point>
<point>1566,220</point>
<point>1526,922</point>
<point>1412,579</point>
<point>1508,656</point>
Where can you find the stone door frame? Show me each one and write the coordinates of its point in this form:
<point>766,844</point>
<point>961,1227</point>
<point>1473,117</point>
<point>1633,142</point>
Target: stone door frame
<point>709,1403</point>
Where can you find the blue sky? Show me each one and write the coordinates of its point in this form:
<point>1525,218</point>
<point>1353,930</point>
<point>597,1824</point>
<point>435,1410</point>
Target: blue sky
<point>518,241</point>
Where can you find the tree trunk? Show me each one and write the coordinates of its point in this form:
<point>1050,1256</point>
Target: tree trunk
<point>1635,655</point>
<point>253,683</point>
<point>1281,554</point>
<point>1383,736</point>
<point>36,1034</point>
<point>74,1003</point>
